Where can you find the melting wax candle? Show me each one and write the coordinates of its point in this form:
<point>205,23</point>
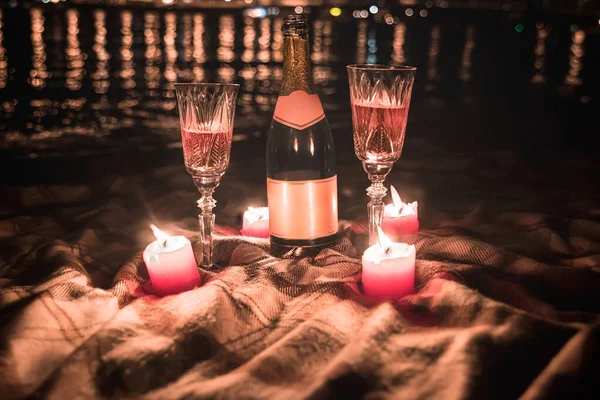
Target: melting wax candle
<point>400,218</point>
<point>388,269</point>
<point>171,263</point>
<point>256,222</point>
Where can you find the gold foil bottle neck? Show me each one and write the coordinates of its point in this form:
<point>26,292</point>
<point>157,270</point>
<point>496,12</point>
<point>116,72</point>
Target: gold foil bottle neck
<point>297,74</point>
<point>295,25</point>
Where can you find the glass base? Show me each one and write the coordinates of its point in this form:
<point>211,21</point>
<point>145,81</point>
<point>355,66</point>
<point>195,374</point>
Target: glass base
<point>301,248</point>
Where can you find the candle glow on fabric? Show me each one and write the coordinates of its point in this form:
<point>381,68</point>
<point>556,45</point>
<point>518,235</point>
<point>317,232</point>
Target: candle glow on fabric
<point>171,263</point>
<point>400,218</point>
<point>388,269</point>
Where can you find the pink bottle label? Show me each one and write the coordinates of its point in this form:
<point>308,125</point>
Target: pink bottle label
<point>303,210</point>
<point>299,110</point>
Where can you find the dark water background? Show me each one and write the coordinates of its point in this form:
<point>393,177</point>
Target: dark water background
<point>85,83</point>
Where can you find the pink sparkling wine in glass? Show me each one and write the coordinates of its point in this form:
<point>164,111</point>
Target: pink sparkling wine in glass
<point>206,152</point>
<point>378,132</point>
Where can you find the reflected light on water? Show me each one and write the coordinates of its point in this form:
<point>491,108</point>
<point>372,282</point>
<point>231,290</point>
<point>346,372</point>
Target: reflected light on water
<point>170,56</point>
<point>38,73</point>
<point>225,52</point>
<point>277,78</point>
<point>398,44</point>
<point>74,56</point>
<point>277,45</point>
<point>321,75</point>
<point>264,41</point>
<point>361,43</point>
<point>188,50</point>
<point>186,73</point>
<point>322,41</point>
<point>434,50</point>
<point>248,72</point>
<point>3,60</point>
<point>199,52</point>
<point>465,66</point>
<point>247,87</point>
<point>127,64</point>
<point>226,73</point>
<point>372,45</point>
<point>317,54</point>
<point>575,59</point>
<point>152,53</point>
<point>100,76</point>
<point>322,55</point>
<point>268,84</point>
<point>540,54</point>
<point>327,30</point>
<point>249,39</point>
<point>135,61</point>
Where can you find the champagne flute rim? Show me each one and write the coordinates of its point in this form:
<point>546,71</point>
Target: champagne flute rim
<point>208,84</point>
<point>380,67</point>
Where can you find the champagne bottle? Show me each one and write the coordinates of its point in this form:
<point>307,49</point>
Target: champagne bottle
<point>301,174</point>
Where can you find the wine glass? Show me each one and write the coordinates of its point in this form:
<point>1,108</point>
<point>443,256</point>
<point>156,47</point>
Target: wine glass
<point>380,97</point>
<point>206,115</point>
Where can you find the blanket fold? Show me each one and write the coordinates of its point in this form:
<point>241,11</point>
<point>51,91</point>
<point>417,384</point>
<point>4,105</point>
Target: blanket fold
<point>494,315</point>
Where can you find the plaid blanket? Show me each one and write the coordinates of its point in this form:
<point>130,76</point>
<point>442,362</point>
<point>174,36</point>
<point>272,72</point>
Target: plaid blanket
<point>506,303</point>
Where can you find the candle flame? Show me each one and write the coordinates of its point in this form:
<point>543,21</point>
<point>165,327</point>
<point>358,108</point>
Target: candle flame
<point>160,235</point>
<point>384,242</point>
<point>396,198</point>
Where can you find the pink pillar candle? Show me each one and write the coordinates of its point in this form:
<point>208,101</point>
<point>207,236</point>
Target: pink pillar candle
<point>400,218</point>
<point>388,269</point>
<point>256,222</point>
<point>171,264</point>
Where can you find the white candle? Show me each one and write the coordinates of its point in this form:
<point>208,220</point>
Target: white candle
<point>171,263</point>
<point>388,269</point>
<point>400,218</point>
<point>256,222</point>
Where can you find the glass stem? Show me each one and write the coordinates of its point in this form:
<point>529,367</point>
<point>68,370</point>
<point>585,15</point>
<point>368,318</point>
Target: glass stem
<point>207,224</point>
<point>375,207</point>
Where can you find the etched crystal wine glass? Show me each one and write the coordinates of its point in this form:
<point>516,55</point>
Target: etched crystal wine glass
<point>206,115</point>
<point>380,97</point>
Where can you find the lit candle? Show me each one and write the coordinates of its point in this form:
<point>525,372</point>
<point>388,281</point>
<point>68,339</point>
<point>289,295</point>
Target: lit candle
<point>388,269</point>
<point>400,218</point>
<point>171,263</point>
<point>256,222</point>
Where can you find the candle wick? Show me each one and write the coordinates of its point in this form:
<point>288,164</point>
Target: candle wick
<point>387,250</point>
<point>165,243</point>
